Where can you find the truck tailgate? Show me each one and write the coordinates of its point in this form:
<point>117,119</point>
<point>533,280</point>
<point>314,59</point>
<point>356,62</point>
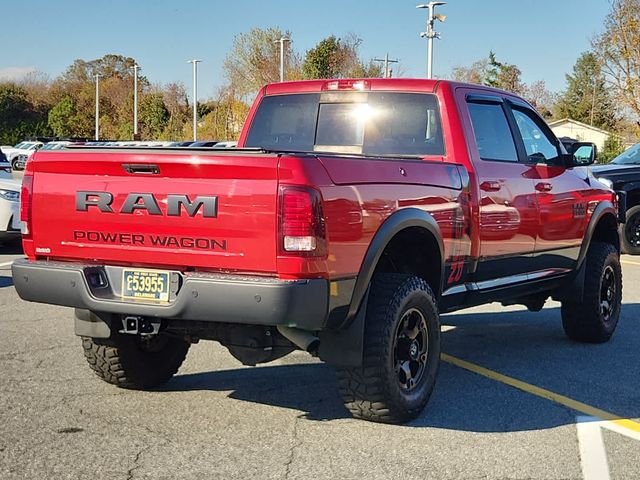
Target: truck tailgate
<point>165,208</point>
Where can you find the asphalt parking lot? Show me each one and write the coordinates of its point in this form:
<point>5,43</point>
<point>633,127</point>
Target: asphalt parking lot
<point>219,419</point>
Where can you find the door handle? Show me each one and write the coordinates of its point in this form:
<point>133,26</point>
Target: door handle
<point>144,168</point>
<point>543,187</point>
<point>490,186</point>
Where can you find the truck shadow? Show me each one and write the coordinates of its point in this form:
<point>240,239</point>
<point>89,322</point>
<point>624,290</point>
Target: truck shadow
<point>528,346</point>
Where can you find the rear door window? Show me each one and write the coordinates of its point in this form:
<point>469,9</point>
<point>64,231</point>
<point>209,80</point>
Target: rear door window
<point>492,133</point>
<point>375,123</point>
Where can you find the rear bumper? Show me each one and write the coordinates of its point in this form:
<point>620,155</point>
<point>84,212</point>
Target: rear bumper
<point>202,297</point>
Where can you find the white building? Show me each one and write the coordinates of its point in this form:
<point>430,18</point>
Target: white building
<point>580,131</point>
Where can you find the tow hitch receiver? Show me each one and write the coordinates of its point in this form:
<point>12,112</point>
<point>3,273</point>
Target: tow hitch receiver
<point>140,325</point>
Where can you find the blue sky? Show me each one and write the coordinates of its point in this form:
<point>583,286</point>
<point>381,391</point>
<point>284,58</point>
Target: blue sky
<point>543,37</point>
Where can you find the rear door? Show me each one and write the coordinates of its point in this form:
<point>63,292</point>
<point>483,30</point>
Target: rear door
<point>508,212</point>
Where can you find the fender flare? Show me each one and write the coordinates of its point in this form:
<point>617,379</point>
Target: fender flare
<point>605,207</point>
<point>395,223</point>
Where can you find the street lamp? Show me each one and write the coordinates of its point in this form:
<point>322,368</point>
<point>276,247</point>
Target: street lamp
<point>431,33</point>
<point>281,42</point>
<point>195,97</point>
<point>136,67</point>
<point>97,106</point>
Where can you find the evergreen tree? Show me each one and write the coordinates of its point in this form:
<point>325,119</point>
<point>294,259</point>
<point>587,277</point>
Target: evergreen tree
<point>587,98</point>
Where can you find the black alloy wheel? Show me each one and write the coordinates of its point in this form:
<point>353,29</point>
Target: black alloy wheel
<point>411,349</point>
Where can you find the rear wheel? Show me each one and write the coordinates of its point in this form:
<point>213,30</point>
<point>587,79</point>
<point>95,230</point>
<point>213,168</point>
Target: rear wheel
<point>631,231</point>
<point>131,361</point>
<point>595,318</point>
<point>401,352</point>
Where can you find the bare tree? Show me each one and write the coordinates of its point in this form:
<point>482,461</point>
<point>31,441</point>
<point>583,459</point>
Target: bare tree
<point>618,48</point>
<point>254,60</point>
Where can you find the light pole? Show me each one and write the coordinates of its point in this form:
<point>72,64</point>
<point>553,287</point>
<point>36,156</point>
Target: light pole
<point>136,67</point>
<point>97,106</point>
<point>387,71</point>
<point>195,97</point>
<point>431,33</point>
<point>281,42</point>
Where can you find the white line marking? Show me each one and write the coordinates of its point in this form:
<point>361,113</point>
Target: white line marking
<point>6,264</point>
<point>593,457</point>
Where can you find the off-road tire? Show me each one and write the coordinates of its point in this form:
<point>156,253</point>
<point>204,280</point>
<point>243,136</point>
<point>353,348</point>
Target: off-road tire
<point>374,391</point>
<point>595,318</point>
<point>126,362</point>
<point>629,232</point>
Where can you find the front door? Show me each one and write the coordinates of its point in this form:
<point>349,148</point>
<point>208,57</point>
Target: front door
<point>560,194</point>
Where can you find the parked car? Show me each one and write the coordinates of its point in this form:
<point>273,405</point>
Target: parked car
<point>204,143</point>
<point>622,174</point>
<point>5,166</point>
<point>9,209</point>
<point>27,148</point>
<point>231,144</point>
<point>20,162</point>
<point>181,144</point>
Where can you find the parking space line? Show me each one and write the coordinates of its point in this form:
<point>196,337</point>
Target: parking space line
<point>593,456</point>
<point>543,393</point>
<point>6,264</point>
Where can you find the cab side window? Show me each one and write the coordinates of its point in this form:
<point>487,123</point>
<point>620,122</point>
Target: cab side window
<point>493,135</point>
<point>538,146</point>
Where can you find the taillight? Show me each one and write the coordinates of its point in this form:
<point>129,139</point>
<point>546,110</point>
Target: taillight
<point>25,204</point>
<point>302,227</point>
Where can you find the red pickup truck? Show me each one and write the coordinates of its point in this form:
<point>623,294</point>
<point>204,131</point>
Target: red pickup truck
<point>352,214</point>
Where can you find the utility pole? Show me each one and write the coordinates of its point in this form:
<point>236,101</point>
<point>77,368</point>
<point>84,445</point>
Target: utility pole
<point>136,67</point>
<point>97,106</point>
<point>195,97</point>
<point>387,70</point>
<point>281,42</point>
<point>430,34</point>
<point>593,98</point>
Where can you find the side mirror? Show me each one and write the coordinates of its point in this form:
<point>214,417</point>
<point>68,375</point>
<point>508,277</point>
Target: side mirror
<point>582,154</point>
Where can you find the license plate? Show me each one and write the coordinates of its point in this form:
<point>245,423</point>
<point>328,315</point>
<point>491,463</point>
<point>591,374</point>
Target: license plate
<point>146,285</point>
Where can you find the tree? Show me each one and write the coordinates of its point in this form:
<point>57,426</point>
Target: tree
<point>225,118</point>
<point>335,57</point>
<point>254,60</point>
<point>154,116</point>
<point>19,118</point>
<point>540,97</point>
<point>63,118</point>
<point>476,73</point>
<point>502,75</point>
<point>175,99</point>
<point>587,98</point>
<point>618,52</point>
<point>612,148</point>
<point>491,72</point>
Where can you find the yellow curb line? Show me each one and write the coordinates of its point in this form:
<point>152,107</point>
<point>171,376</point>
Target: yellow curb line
<point>543,393</point>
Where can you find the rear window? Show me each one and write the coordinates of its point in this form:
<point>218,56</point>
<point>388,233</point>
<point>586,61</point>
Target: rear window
<point>374,123</point>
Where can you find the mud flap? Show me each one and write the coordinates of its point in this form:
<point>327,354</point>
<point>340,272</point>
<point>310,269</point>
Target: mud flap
<point>88,324</point>
<point>343,348</point>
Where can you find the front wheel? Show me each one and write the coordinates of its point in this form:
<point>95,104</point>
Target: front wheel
<point>401,352</point>
<point>631,231</point>
<point>595,318</point>
<point>135,362</point>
